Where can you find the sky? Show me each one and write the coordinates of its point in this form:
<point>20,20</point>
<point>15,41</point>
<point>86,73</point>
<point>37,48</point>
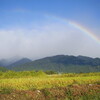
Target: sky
<point>40,28</point>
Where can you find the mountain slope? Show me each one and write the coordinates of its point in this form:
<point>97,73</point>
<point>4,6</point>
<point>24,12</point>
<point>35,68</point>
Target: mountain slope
<point>63,63</point>
<point>3,62</point>
<point>9,61</point>
<point>3,69</point>
<point>19,62</point>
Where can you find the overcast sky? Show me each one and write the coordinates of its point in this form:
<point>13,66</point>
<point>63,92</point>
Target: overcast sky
<point>36,28</point>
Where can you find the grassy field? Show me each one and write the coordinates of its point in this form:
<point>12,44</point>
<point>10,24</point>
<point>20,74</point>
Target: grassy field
<point>32,87</point>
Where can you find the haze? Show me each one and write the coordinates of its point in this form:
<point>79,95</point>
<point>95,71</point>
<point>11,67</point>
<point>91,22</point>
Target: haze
<point>29,28</point>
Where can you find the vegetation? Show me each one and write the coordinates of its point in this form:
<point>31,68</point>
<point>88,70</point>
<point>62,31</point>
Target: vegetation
<point>3,69</point>
<point>21,74</point>
<point>74,92</point>
<point>37,85</point>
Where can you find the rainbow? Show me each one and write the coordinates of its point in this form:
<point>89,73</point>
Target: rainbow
<point>85,31</point>
<point>78,26</point>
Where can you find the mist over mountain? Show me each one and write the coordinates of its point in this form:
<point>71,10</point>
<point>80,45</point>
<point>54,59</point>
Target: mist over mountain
<point>8,61</point>
<point>13,61</point>
<point>20,62</point>
<point>36,29</point>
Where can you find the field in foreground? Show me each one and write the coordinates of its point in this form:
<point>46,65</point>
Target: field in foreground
<point>50,87</point>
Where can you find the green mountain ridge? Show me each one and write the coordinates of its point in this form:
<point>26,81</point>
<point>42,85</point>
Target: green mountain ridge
<point>62,63</point>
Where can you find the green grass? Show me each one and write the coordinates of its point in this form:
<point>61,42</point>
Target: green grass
<point>70,86</point>
<point>49,81</point>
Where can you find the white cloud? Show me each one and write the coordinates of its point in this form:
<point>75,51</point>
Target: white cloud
<point>48,40</point>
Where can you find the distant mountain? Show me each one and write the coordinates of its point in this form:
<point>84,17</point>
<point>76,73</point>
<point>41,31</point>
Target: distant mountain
<point>6,62</point>
<point>62,63</point>
<point>19,62</point>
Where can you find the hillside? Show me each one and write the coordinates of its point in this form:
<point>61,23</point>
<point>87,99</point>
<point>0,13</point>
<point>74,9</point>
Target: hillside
<point>3,62</point>
<point>62,63</point>
<point>19,62</point>
<point>8,61</point>
<point>3,69</point>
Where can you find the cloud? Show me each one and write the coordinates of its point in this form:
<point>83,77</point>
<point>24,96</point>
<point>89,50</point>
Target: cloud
<point>47,40</point>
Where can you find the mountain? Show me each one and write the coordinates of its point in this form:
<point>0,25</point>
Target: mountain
<point>19,62</point>
<point>7,62</point>
<point>62,63</point>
